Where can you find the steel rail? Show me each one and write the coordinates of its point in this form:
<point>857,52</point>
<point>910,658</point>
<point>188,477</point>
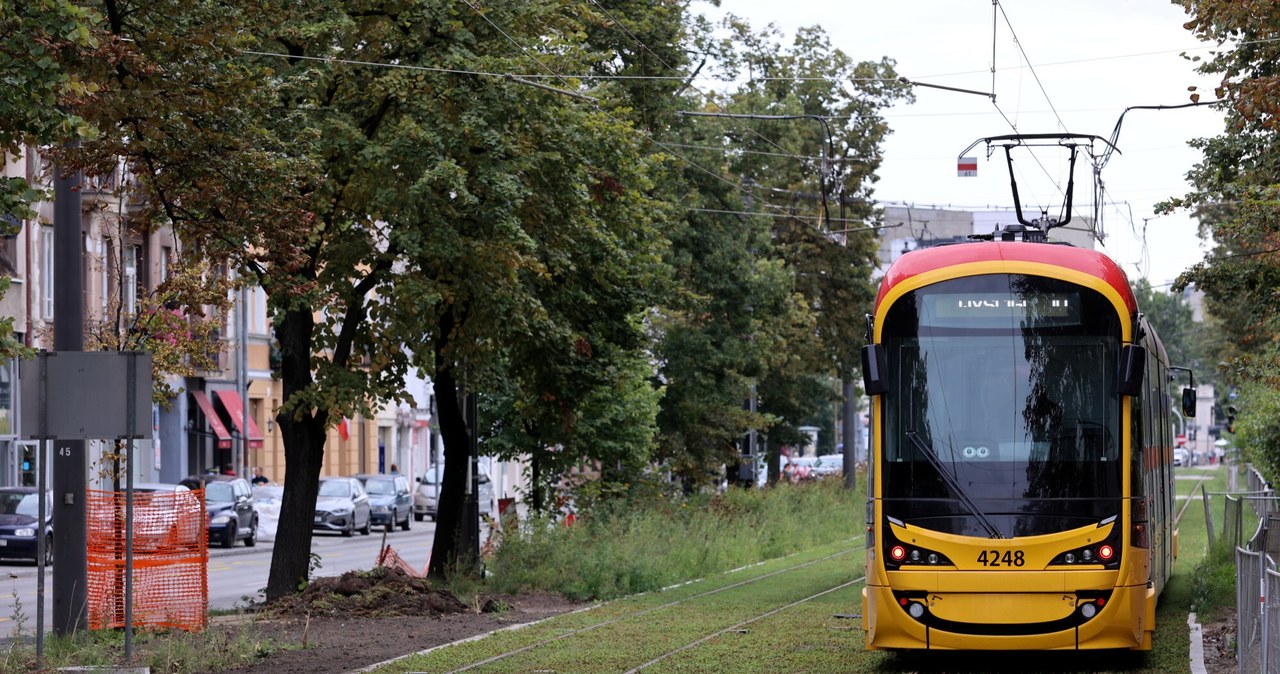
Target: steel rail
<point>744,623</point>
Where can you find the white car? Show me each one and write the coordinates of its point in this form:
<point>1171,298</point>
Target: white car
<point>1181,457</point>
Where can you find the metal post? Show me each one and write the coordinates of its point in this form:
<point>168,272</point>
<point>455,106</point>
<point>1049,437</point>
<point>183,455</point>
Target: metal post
<point>41,484</point>
<point>70,468</point>
<point>469,541</point>
<point>1208,514</point>
<point>242,380</point>
<point>130,431</point>
<point>849,434</point>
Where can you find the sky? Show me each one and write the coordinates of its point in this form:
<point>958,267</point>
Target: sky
<point>1088,61</point>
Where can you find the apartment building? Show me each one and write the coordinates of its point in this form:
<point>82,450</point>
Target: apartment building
<point>204,427</point>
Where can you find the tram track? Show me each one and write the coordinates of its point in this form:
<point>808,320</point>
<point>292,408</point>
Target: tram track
<point>744,623</point>
<point>663,630</point>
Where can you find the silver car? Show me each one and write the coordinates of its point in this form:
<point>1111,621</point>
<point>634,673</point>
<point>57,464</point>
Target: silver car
<point>342,506</point>
<point>426,496</point>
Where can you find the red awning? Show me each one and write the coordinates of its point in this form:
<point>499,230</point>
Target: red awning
<point>219,431</point>
<point>235,409</point>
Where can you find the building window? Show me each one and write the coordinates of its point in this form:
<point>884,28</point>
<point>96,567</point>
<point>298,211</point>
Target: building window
<point>104,276</point>
<point>46,273</point>
<point>166,260</point>
<point>130,280</point>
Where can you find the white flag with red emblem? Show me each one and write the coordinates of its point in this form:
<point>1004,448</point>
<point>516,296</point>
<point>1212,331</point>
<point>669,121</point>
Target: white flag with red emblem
<point>967,167</point>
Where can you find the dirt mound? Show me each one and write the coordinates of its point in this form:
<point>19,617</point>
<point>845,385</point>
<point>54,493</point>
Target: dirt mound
<point>381,592</point>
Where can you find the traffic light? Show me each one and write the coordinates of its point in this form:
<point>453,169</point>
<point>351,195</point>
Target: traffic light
<point>1231,419</point>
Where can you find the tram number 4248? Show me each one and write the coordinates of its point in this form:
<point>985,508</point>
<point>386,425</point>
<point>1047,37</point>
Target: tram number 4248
<point>1001,558</point>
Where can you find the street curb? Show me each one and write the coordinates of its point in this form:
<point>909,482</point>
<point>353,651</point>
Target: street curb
<point>1197,645</point>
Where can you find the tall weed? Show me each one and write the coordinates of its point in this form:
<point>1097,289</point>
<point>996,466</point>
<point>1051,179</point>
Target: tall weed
<point>1214,581</point>
<point>639,544</point>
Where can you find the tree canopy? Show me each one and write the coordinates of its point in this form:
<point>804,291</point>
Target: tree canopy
<point>504,195</point>
<point>1236,195</point>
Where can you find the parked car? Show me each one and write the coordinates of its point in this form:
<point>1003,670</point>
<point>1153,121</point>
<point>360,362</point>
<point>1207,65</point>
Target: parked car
<point>426,495</point>
<point>390,500</point>
<point>19,514</point>
<point>229,500</point>
<point>168,517</point>
<point>1182,457</point>
<point>342,506</point>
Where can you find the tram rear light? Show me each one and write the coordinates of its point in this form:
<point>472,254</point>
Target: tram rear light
<point>898,553</point>
<point>1106,552</point>
<point>1101,601</point>
<point>903,601</point>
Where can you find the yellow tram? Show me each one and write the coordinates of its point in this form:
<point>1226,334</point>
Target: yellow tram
<point>1021,479</point>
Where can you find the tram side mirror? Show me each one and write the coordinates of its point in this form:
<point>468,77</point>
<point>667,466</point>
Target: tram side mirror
<point>873,369</point>
<point>1133,360</point>
<point>1188,402</point>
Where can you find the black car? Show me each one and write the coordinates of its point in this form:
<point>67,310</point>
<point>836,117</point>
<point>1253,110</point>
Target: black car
<point>19,512</point>
<point>390,500</point>
<point>229,500</point>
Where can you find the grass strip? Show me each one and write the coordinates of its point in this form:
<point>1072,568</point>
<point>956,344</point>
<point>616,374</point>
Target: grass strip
<point>628,642</point>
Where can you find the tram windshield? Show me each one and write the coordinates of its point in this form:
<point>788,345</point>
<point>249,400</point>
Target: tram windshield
<point>1009,381</point>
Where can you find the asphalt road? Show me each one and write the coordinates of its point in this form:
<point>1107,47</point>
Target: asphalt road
<point>237,575</point>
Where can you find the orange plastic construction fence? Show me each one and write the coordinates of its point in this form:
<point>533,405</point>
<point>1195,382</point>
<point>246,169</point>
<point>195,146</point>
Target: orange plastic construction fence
<point>170,559</point>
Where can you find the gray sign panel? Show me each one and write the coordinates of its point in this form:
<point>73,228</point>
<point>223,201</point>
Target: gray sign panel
<point>88,395</point>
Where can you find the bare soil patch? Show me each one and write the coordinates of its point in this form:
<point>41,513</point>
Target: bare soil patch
<point>1219,635</point>
<point>345,623</point>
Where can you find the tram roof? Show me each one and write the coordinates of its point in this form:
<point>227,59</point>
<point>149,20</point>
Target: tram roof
<point>991,257</point>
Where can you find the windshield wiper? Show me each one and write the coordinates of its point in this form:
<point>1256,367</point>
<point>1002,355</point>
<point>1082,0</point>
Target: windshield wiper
<point>961,494</point>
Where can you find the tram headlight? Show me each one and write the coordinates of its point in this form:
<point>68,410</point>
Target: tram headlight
<point>915,610</point>
<point>1088,610</point>
<point>904,554</point>
<point>1106,553</point>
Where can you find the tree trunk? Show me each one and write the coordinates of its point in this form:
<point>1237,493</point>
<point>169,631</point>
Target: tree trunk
<point>304,439</point>
<point>535,480</point>
<point>453,484</point>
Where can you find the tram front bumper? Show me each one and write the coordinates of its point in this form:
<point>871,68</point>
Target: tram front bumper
<point>1005,620</point>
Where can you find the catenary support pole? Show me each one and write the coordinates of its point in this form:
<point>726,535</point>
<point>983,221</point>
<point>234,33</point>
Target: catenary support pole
<point>70,568</point>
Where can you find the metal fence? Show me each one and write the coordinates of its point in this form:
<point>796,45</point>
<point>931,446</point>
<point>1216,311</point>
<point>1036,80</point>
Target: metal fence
<point>1251,597</point>
<point>1257,579</point>
<point>1240,523</point>
<point>1271,618</point>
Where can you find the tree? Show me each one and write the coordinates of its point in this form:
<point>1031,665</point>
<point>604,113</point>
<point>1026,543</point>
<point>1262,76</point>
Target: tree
<point>37,104</point>
<point>799,132</point>
<point>1186,340</point>
<point>1235,190</point>
<point>1235,186</point>
<point>399,205</point>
